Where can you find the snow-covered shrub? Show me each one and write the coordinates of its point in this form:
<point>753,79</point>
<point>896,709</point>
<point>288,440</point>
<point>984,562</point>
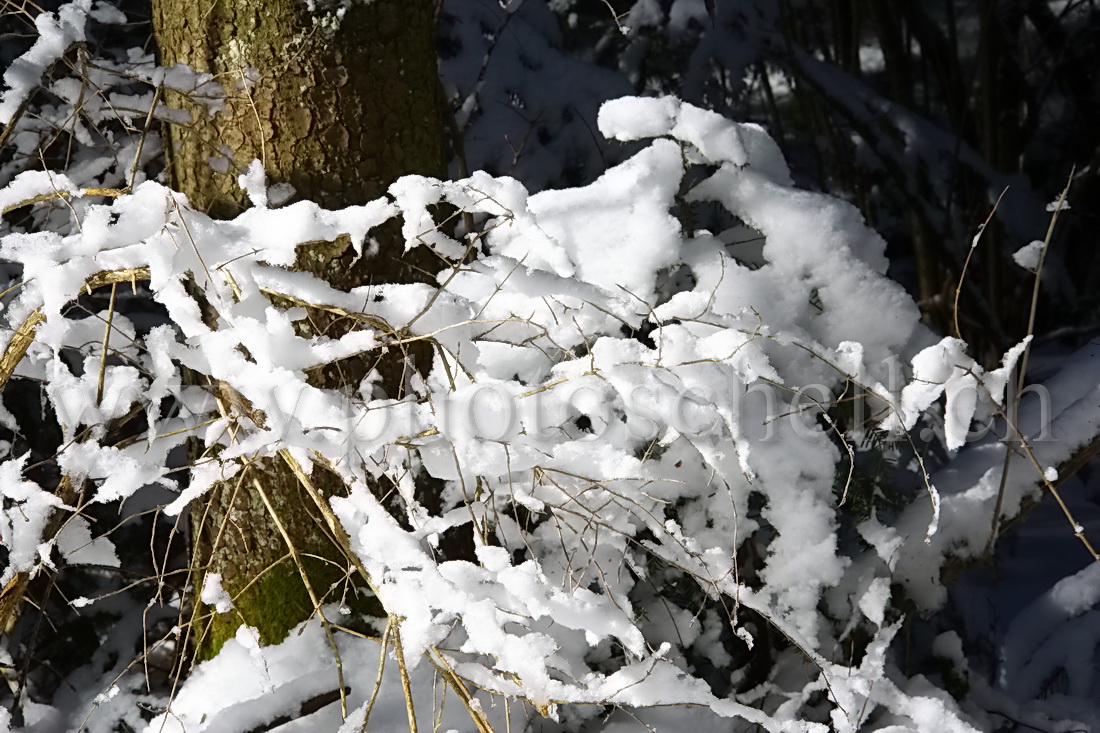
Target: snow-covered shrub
<point>646,429</point>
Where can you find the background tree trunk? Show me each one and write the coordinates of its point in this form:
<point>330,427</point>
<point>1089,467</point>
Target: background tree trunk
<point>338,105</point>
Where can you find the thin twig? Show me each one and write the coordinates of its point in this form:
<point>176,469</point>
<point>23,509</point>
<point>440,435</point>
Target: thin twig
<point>106,346</point>
<point>141,140</point>
<point>1014,398</point>
<point>406,687</point>
<point>381,667</point>
<point>969,254</point>
<point>616,17</point>
<point>58,194</point>
<point>464,695</point>
<point>1078,528</point>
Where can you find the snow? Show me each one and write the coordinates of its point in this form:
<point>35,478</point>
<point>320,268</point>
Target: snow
<point>622,250</point>
<point>254,182</point>
<point>22,525</point>
<point>1049,630</point>
<point>78,547</point>
<point>635,118</point>
<point>30,184</point>
<point>56,32</point>
<point>946,370</point>
<point>615,407</point>
<point>969,485</point>
<point>213,594</point>
<point>496,421</point>
<point>298,674</point>
<point>1029,256</point>
<point>103,12</point>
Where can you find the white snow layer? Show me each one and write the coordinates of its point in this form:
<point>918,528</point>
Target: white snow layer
<point>627,454</point>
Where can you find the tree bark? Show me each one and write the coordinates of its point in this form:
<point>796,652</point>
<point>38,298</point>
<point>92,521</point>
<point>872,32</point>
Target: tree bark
<point>338,105</point>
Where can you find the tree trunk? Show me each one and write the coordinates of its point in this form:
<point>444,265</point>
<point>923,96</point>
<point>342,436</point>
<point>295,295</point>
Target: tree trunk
<point>338,105</point>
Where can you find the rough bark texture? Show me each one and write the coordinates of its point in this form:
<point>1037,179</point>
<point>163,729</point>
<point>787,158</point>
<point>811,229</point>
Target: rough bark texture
<point>338,106</point>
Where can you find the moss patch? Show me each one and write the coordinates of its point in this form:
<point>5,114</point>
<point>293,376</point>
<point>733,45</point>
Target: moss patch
<point>275,604</point>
